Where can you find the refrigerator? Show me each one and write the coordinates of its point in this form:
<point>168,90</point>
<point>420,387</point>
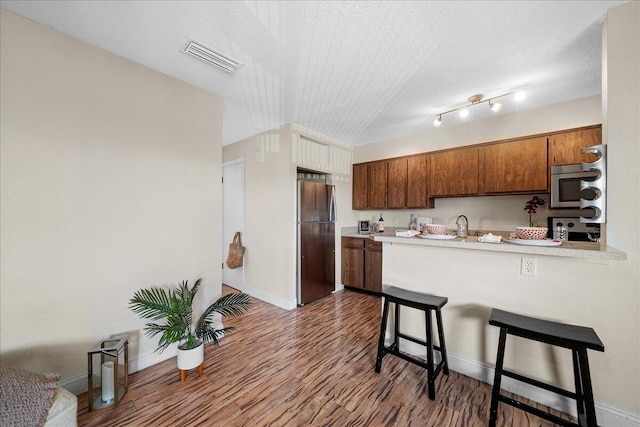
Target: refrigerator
<point>316,240</point>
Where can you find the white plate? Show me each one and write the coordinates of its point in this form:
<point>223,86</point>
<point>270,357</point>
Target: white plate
<point>526,242</point>
<point>437,236</point>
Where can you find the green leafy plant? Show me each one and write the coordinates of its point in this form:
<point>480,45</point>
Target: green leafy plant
<point>175,306</point>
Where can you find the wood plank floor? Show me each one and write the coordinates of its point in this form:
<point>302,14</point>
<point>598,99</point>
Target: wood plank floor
<point>310,366</point>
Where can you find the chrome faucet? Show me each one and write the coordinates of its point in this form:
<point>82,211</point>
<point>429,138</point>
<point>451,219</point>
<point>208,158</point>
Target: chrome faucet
<point>413,225</point>
<point>463,226</point>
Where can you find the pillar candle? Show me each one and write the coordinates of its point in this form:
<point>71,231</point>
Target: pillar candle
<point>107,382</point>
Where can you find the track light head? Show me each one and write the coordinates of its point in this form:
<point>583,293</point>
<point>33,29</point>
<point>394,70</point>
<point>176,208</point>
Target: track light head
<point>495,106</point>
<point>438,121</point>
<point>464,113</point>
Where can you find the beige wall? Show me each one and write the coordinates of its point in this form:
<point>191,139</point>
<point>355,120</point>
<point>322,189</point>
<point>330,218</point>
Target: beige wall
<point>270,214</point>
<point>621,106</point>
<point>110,183</point>
<point>489,212</point>
<point>603,295</point>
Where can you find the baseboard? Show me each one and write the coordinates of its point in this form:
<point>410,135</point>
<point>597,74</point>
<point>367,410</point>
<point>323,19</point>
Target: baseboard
<point>285,303</point>
<point>608,416</point>
<point>78,384</point>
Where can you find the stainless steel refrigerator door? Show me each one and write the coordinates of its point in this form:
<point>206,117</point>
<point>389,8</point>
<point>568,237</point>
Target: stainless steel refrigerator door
<point>316,202</point>
<point>316,268</point>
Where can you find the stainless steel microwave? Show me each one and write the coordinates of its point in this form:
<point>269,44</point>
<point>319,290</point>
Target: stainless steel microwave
<point>565,186</point>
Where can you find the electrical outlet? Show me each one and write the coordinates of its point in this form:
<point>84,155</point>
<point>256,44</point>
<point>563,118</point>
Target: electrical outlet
<point>528,266</point>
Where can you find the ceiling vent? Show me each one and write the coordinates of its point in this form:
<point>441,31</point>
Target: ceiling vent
<point>212,57</point>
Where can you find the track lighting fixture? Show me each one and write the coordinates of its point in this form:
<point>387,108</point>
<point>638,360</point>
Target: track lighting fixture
<point>479,99</point>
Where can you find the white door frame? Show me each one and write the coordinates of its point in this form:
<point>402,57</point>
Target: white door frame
<point>239,272</point>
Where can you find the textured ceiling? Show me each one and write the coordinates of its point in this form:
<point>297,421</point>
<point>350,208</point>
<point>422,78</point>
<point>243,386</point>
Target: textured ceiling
<point>358,72</point>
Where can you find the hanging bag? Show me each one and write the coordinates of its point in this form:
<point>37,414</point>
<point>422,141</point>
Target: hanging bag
<point>236,252</point>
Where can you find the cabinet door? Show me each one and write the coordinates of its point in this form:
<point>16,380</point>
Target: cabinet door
<point>516,166</point>
<point>454,172</point>
<point>352,266</point>
<point>565,148</point>
<point>377,180</point>
<point>397,183</point>
<point>418,182</point>
<point>360,187</point>
<point>373,266</point>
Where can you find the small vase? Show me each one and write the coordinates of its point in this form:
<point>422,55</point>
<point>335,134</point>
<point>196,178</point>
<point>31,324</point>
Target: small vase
<point>192,358</point>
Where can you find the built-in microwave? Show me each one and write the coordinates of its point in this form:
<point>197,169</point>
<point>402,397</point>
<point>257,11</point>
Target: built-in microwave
<point>565,186</point>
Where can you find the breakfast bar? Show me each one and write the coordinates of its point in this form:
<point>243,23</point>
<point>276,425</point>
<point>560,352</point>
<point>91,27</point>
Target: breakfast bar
<point>587,250</point>
<point>477,277</point>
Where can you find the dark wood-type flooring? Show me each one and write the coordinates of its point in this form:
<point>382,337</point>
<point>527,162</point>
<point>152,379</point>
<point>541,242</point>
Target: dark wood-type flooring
<point>312,366</point>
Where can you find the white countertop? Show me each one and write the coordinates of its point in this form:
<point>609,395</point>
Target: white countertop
<point>568,249</point>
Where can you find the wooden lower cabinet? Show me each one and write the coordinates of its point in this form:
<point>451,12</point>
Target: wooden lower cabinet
<point>362,264</point>
<point>373,266</point>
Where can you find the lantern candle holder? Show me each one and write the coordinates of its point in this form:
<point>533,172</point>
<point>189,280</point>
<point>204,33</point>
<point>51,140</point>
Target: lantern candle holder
<point>108,372</point>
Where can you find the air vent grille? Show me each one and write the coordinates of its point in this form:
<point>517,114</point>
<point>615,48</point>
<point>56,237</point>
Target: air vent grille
<point>211,56</point>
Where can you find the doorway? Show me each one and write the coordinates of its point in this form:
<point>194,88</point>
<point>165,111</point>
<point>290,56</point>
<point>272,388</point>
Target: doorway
<point>232,217</point>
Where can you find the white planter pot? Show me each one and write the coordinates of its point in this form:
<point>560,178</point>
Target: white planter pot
<point>189,359</point>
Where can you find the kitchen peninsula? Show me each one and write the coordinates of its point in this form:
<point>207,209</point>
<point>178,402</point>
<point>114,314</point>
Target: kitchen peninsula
<point>570,284</point>
<point>567,249</point>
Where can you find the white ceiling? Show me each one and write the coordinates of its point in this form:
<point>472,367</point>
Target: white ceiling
<point>359,72</point>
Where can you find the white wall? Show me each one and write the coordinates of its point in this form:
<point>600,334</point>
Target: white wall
<point>110,183</point>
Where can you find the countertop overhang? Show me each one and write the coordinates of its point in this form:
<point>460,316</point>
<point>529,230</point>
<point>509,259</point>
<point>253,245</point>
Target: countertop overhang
<point>568,249</point>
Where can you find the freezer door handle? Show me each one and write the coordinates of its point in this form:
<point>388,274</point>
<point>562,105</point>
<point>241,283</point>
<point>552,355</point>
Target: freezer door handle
<point>333,210</point>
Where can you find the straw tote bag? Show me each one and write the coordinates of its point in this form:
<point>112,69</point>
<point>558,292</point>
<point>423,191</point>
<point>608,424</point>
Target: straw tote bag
<point>236,252</point>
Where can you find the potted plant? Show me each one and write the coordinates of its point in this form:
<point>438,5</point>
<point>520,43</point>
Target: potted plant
<point>531,207</point>
<point>175,306</point>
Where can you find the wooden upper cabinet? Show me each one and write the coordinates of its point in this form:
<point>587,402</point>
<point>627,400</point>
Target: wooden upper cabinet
<point>509,167</point>
<point>360,188</point>
<point>377,181</point>
<point>516,166</point>
<point>454,172</point>
<point>397,183</point>
<point>418,182</point>
<point>565,148</point>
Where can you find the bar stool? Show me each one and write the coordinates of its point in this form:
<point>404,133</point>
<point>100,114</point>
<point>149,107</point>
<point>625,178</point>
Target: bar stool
<point>576,338</point>
<point>426,303</point>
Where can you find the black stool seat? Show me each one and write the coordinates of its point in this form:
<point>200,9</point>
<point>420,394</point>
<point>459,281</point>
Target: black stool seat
<point>414,299</point>
<point>576,338</point>
<point>426,303</point>
<point>560,334</point>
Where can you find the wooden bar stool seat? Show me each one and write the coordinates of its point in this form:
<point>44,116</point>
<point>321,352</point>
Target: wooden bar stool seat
<point>426,303</point>
<point>576,338</point>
